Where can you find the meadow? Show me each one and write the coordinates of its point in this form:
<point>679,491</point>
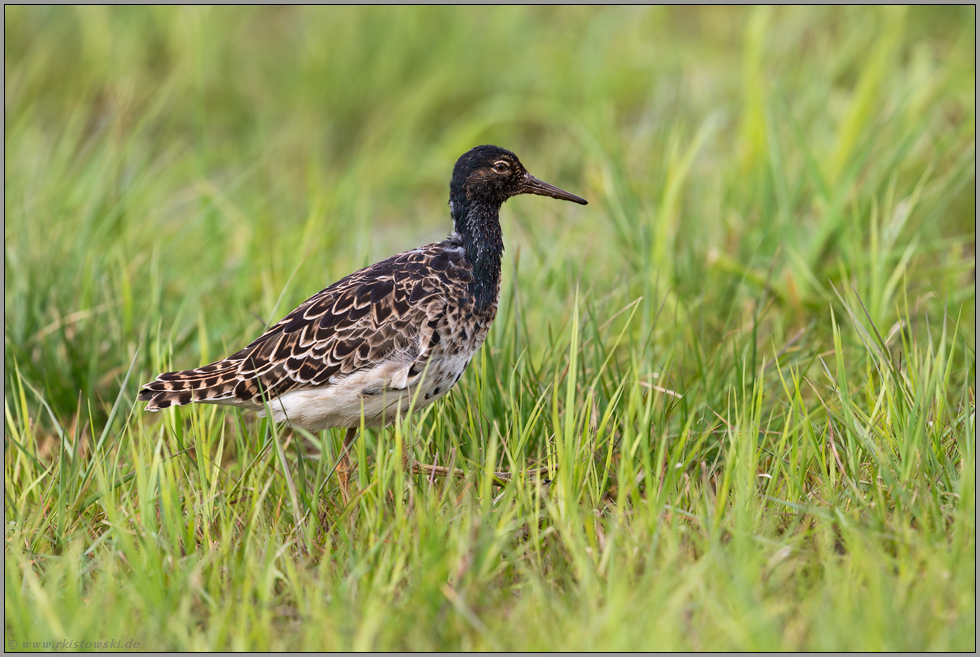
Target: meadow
<point>751,357</point>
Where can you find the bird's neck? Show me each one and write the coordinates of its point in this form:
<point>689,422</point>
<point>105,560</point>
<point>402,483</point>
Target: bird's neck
<point>478,228</point>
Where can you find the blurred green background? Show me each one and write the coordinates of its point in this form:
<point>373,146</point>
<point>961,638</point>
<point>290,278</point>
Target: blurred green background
<point>168,163</point>
<point>752,353</point>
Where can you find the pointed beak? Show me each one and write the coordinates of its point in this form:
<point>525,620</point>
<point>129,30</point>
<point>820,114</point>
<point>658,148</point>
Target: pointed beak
<point>534,186</point>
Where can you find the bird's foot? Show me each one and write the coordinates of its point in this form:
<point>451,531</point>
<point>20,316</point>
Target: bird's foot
<point>502,478</point>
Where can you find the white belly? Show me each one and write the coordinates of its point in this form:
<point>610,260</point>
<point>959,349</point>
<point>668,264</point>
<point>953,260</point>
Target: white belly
<point>379,395</point>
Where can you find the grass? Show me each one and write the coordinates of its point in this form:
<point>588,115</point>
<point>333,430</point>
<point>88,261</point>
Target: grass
<point>752,356</point>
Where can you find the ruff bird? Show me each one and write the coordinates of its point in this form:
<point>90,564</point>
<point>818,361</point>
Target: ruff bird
<point>390,338</point>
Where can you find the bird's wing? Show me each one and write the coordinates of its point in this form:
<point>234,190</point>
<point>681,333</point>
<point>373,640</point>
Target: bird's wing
<point>389,310</point>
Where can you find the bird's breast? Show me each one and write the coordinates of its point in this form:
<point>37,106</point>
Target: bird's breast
<point>461,334</point>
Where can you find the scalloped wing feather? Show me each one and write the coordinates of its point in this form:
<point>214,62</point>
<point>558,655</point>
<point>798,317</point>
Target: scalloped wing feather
<point>387,313</point>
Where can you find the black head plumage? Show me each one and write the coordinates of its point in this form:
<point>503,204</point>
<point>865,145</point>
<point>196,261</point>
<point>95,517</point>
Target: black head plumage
<point>490,175</point>
<point>483,179</point>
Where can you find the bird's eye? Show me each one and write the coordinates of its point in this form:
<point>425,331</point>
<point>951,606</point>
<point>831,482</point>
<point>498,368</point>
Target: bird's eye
<point>501,167</point>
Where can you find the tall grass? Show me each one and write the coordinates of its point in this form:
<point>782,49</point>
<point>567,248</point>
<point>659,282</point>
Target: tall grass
<point>752,357</point>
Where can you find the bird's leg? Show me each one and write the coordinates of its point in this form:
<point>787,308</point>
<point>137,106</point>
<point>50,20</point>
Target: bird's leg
<point>345,466</point>
<point>408,462</point>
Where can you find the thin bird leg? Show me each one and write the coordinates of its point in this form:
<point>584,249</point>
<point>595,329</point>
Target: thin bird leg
<point>501,477</point>
<point>408,463</point>
<point>345,466</point>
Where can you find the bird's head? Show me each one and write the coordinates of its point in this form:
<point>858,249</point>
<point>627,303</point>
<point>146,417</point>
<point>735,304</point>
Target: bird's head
<point>491,175</point>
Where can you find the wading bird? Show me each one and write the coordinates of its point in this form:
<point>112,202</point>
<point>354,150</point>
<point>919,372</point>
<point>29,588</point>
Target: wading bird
<point>387,339</point>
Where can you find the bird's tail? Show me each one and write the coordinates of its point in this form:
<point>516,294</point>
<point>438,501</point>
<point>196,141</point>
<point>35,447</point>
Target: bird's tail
<point>214,383</point>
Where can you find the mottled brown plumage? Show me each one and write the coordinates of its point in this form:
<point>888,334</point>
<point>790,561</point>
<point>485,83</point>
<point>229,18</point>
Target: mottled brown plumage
<point>404,310</point>
<point>389,338</point>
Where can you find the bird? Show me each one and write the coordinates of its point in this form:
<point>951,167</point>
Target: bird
<point>388,339</point>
